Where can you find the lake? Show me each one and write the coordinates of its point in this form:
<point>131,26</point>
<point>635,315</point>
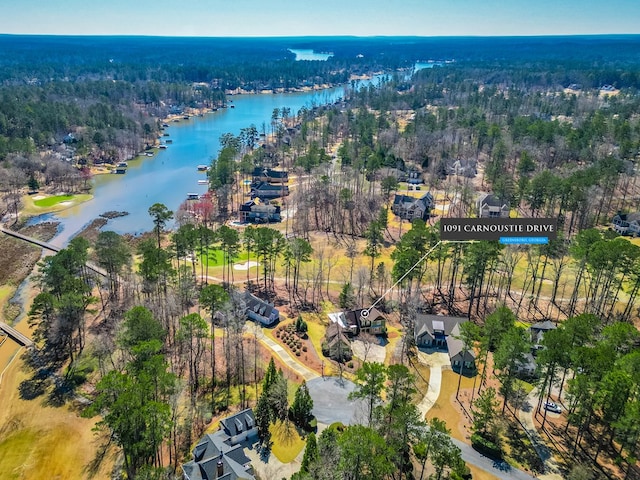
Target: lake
<point>172,173</point>
<point>304,54</point>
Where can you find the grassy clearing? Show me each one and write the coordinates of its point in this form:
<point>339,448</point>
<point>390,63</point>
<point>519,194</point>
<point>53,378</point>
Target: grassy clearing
<point>54,203</point>
<point>316,331</point>
<point>526,386</point>
<point>6,292</point>
<point>51,201</point>
<point>287,443</point>
<point>34,438</point>
<point>422,374</point>
<point>216,258</point>
<point>394,335</point>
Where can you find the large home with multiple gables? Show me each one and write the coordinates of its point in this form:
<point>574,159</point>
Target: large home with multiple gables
<point>491,206</point>
<point>353,323</point>
<point>255,212</point>
<point>627,224</point>
<point>271,176</point>
<point>410,208</point>
<point>255,309</point>
<point>441,332</point>
<point>266,191</point>
<point>528,367</point>
<point>220,455</point>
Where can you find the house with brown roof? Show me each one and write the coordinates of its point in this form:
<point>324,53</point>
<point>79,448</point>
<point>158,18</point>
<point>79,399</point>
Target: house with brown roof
<point>442,332</point>
<point>336,345</point>
<point>353,323</point>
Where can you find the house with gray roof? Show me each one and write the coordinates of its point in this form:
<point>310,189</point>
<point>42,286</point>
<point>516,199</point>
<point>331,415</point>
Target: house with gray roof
<point>626,223</point>
<point>260,310</point>
<point>491,206</point>
<point>441,331</point>
<point>538,330</point>
<point>220,455</point>
<point>265,191</point>
<point>410,208</point>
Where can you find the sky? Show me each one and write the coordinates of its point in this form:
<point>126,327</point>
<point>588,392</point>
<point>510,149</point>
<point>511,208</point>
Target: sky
<point>239,18</point>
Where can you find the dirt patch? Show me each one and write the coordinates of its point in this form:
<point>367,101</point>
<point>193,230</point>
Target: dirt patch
<point>17,257</point>
<point>307,353</point>
<point>91,232</point>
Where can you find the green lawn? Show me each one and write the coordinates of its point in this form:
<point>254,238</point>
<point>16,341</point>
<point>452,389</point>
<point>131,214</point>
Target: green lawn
<point>54,203</point>
<point>51,201</point>
<point>215,258</point>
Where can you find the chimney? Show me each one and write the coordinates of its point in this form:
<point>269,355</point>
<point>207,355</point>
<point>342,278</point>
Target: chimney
<point>220,469</point>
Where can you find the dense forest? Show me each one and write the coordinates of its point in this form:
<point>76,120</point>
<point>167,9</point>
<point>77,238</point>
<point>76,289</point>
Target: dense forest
<point>549,125</point>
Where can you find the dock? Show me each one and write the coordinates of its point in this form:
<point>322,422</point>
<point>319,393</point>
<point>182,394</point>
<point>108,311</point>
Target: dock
<point>16,336</point>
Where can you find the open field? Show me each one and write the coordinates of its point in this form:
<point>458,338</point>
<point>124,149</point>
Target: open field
<point>34,438</point>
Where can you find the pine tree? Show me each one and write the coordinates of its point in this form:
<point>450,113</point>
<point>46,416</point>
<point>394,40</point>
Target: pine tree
<point>345,300</point>
<point>269,377</point>
<point>263,417</point>
<point>300,411</point>
<point>301,325</point>
<point>310,453</point>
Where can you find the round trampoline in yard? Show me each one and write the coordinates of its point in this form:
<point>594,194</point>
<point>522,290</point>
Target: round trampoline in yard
<point>331,403</point>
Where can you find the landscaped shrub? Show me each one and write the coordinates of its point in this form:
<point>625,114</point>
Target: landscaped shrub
<point>304,348</point>
<point>485,446</point>
<point>350,365</point>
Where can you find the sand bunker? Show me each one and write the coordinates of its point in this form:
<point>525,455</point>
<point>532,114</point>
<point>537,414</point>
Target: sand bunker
<point>65,204</point>
<point>245,266</point>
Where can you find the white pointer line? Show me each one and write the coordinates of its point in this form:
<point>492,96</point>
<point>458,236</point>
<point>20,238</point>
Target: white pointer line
<point>365,313</point>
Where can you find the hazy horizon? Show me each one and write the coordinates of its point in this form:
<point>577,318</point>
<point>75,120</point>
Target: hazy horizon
<point>286,18</point>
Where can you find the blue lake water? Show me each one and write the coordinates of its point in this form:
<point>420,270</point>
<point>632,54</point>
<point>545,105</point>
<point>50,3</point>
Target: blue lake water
<point>172,173</point>
<point>303,54</point>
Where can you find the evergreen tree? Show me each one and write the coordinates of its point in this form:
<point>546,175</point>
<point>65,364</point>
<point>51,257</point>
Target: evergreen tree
<point>301,325</point>
<point>346,298</point>
<point>310,453</point>
<point>270,377</point>
<point>263,417</point>
<point>300,411</point>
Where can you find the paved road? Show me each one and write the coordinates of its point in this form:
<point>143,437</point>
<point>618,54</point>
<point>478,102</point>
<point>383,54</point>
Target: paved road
<point>476,459</point>
<point>436,360</point>
<point>525,415</point>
